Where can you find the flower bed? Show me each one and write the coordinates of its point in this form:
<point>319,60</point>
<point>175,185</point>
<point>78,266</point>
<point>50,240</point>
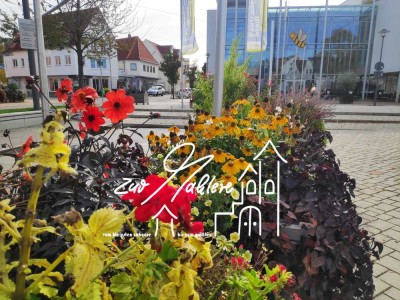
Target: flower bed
<point>105,221</point>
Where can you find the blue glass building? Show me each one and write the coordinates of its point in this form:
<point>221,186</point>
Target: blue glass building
<point>347,44</point>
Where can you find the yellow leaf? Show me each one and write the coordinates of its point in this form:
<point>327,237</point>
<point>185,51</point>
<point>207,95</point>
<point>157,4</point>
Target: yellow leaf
<point>106,221</point>
<point>85,264</point>
<point>183,277</point>
<point>168,292</point>
<point>202,256</point>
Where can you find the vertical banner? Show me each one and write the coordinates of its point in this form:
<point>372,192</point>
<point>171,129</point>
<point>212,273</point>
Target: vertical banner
<point>257,14</point>
<point>189,44</point>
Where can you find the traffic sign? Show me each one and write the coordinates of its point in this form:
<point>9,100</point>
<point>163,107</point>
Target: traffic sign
<point>379,66</point>
<point>27,33</point>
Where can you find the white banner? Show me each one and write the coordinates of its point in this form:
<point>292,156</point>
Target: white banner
<point>256,11</point>
<point>27,33</point>
<point>189,44</point>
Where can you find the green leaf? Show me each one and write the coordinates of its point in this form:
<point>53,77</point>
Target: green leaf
<point>91,292</point>
<point>123,286</point>
<point>168,252</point>
<point>48,291</point>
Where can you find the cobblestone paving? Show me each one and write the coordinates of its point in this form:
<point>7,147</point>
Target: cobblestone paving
<point>370,153</point>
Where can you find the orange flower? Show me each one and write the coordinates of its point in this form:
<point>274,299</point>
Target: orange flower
<point>247,151</point>
<point>249,133</point>
<point>232,129</point>
<point>64,89</point>
<point>151,136</point>
<point>227,119</point>
<point>241,102</point>
<point>230,168</point>
<point>185,176</point>
<point>219,155</point>
<point>118,105</point>
<point>25,147</point>
<point>199,152</point>
<point>245,122</point>
<point>174,129</point>
<point>93,118</point>
<point>217,130</point>
<point>228,178</point>
<point>199,126</point>
<point>191,138</point>
<point>259,142</point>
<point>83,97</point>
<point>257,113</point>
<point>241,163</point>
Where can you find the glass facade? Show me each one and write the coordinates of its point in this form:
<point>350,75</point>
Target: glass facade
<point>346,43</point>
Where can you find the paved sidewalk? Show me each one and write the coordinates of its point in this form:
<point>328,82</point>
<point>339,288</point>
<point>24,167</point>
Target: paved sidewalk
<point>370,153</point>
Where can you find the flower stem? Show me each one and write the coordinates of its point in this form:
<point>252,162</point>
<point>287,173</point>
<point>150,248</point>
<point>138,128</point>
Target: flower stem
<point>26,238</point>
<point>216,291</point>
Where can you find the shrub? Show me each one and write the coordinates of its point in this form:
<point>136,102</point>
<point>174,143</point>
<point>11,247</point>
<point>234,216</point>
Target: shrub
<point>14,94</point>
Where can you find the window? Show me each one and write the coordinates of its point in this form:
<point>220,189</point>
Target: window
<point>93,63</point>
<point>22,62</point>
<point>98,63</point>
<point>53,84</point>
<point>48,61</point>
<point>144,68</point>
<point>133,66</point>
<point>15,63</point>
<point>68,59</point>
<point>58,60</point>
<point>154,69</point>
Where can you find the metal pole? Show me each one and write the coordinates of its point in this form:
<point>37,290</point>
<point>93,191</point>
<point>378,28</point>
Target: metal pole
<point>101,79</point>
<point>368,59</point>
<point>44,81</point>
<point>236,15</point>
<point>31,58</point>
<point>279,41</point>
<point>271,57</point>
<point>377,75</point>
<point>181,57</point>
<point>323,49</point>
<point>284,44</point>
<point>220,57</point>
<point>246,30</point>
<point>261,49</point>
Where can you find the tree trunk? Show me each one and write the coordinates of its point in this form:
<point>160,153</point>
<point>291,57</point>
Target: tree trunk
<point>79,53</point>
<point>173,91</point>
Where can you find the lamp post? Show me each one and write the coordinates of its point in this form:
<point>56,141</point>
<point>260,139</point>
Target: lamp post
<point>379,66</point>
<point>207,55</point>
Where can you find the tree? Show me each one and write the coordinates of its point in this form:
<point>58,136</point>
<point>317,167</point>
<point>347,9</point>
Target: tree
<point>204,69</point>
<point>170,67</point>
<point>88,27</point>
<point>191,73</point>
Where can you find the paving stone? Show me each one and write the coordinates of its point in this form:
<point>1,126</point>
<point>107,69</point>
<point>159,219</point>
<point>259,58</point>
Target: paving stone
<point>380,287</point>
<point>388,193</point>
<point>390,263</point>
<point>396,255</point>
<point>393,292</point>
<point>383,297</point>
<point>393,234</point>
<point>395,221</point>
<point>391,278</point>
<point>381,225</point>
<point>384,217</point>
<point>379,269</point>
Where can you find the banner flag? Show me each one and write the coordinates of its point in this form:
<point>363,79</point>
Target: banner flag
<point>256,12</point>
<point>189,44</point>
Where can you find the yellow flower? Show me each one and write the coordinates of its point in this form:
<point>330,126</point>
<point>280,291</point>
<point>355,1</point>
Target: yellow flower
<point>174,129</point>
<point>235,194</point>
<point>227,119</point>
<point>297,128</point>
<point>243,102</point>
<point>234,237</point>
<point>260,142</point>
<point>194,211</point>
<point>199,126</point>
<point>232,129</point>
<point>249,133</point>
<point>257,113</point>
<point>199,152</point>
<point>164,140</point>
<point>247,255</point>
<point>185,176</point>
<point>247,151</point>
<point>219,155</point>
<point>208,203</point>
<point>281,120</point>
<point>230,168</point>
<point>217,130</point>
<point>245,122</point>
<point>210,222</point>
<point>241,163</point>
<point>151,136</point>
<point>228,178</point>
<point>191,138</point>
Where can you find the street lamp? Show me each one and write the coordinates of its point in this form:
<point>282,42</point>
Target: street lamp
<point>379,66</point>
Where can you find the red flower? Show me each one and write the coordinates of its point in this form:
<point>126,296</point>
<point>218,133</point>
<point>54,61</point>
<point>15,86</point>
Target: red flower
<point>273,278</point>
<point>64,89</point>
<point>82,130</point>
<point>118,105</point>
<point>160,204</point>
<point>83,97</point>
<point>296,297</point>
<point>281,268</point>
<point>93,118</point>
<point>25,147</point>
<point>238,263</point>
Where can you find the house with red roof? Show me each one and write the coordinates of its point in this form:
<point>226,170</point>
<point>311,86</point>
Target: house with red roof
<point>158,52</point>
<point>137,67</point>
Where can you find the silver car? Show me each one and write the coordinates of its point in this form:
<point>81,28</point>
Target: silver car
<point>156,90</point>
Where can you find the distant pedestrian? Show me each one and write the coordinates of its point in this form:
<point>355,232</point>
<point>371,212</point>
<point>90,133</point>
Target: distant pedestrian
<point>313,90</point>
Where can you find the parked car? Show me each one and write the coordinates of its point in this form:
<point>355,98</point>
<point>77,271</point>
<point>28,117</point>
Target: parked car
<point>156,90</point>
<point>186,93</point>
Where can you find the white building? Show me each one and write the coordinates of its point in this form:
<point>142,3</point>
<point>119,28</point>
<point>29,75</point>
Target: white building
<point>59,65</point>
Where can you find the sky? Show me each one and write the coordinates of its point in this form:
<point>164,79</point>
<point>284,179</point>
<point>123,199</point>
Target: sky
<point>160,21</point>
